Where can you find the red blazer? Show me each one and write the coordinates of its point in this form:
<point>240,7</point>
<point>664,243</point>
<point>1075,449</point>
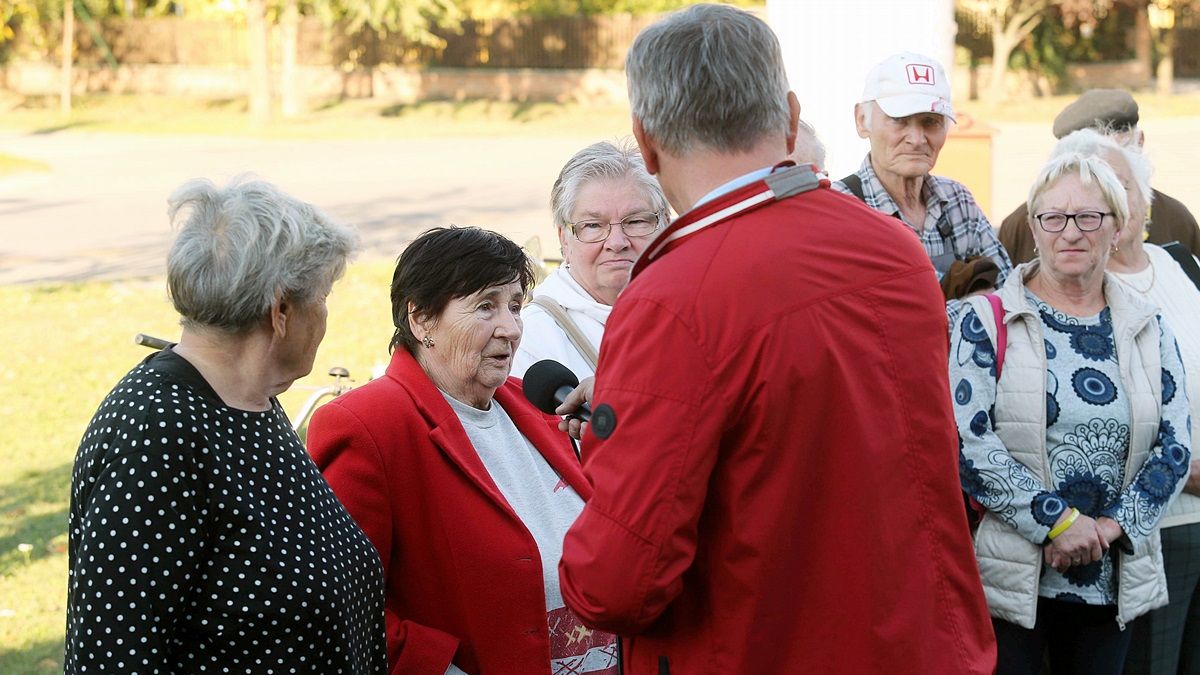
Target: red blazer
<point>463,574</point>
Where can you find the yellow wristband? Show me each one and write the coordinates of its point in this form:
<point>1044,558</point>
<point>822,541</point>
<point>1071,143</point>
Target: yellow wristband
<point>1062,527</point>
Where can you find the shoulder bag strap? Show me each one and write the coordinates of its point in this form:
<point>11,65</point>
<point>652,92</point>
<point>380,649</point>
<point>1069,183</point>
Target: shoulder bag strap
<point>569,327</point>
<point>1185,260</point>
<point>946,229</point>
<point>854,184</point>
<point>975,510</point>
<point>1001,331</point>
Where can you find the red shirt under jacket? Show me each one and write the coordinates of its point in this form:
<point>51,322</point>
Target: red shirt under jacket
<point>463,575</point>
<point>780,493</point>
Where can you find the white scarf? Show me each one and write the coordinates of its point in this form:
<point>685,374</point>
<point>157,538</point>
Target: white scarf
<point>563,287</point>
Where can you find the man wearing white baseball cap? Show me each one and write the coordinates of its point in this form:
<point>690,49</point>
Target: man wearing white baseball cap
<point>906,114</point>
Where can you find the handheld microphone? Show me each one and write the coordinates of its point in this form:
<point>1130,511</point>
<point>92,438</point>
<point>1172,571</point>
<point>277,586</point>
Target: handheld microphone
<point>548,383</point>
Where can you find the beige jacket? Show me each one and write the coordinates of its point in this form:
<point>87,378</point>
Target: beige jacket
<point>1010,564</point>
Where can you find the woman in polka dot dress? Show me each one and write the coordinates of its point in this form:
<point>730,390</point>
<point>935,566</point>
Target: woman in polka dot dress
<point>1076,440</point>
<point>202,537</point>
<point>464,487</point>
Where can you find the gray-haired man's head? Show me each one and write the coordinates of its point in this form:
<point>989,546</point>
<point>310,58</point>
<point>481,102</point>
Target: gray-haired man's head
<point>710,77</point>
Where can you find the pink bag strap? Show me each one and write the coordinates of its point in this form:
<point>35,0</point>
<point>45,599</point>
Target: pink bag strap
<point>1001,331</point>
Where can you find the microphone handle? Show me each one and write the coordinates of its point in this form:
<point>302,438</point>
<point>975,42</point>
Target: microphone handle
<point>583,413</point>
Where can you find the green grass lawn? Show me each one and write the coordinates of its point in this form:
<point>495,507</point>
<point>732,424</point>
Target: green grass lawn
<point>65,347</point>
<point>351,118</point>
<point>367,118</point>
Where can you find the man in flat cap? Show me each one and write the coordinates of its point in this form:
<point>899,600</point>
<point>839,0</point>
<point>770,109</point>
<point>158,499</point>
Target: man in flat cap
<point>1112,112</point>
<point>906,114</point>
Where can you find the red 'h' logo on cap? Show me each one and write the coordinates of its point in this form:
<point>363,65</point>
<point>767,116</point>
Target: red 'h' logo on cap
<point>919,73</point>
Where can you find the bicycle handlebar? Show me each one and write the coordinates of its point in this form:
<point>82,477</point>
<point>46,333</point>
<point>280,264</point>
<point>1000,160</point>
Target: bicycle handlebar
<point>150,341</point>
<point>340,386</point>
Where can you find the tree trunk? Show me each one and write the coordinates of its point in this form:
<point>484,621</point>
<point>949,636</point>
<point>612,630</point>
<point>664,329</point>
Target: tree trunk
<point>1165,74</point>
<point>291,101</point>
<point>1143,43</point>
<point>68,47</point>
<point>1011,22</point>
<point>260,68</point>
<point>1002,46</point>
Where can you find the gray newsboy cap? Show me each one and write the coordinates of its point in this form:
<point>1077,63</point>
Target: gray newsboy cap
<point>1097,108</point>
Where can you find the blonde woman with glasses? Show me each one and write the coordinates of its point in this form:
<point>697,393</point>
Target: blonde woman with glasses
<point>1073,433</point>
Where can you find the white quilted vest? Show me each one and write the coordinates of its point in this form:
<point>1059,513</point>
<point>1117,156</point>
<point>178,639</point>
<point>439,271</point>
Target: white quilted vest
<point>1010,564</point>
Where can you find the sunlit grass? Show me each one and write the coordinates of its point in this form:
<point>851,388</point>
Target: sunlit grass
<point>349,118</point>
<point>370,118</point>
<point>10,165</point>
<point>1040,110</point>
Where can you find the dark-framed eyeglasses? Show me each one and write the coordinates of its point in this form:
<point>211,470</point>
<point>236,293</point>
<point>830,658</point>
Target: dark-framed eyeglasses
<point>634,225</point>
<point>1086,221</point>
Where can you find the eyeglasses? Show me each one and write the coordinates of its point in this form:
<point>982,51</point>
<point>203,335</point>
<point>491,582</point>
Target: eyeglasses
<point>1086,221</point>
<point>636,225</point>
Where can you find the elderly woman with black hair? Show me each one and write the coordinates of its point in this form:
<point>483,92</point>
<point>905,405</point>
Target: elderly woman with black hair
<point>1074,433</point>
<point>202,537</point>
<point>464,487</point>
<point>606,207</point>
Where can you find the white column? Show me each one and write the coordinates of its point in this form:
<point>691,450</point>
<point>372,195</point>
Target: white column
<point>829,47</point>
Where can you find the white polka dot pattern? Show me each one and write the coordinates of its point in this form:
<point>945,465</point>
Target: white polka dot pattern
<point>204,540</point>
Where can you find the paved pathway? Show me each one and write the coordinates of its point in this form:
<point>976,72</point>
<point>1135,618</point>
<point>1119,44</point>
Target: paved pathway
<point>100,211</point>
<point>1171,145</point>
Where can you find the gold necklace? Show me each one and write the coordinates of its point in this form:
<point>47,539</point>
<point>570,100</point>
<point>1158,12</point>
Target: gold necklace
<point>1143,291</point>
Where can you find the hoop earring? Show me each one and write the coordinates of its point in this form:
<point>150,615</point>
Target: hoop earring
<point>427,341</point>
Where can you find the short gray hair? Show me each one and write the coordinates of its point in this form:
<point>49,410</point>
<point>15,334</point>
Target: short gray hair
<point>809,148</point>
<point>1091,169</point>
<point>1094,142</point>
<point>602,160</point>
<point>708,76</point>
<point>867,108</point>
<point>241,246</point>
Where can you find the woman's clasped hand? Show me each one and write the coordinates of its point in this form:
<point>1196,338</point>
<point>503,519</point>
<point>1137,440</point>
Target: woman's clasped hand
<point>1083,542</point>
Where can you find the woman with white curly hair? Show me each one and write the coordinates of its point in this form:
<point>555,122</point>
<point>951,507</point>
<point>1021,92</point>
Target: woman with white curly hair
<point>1167,639</point>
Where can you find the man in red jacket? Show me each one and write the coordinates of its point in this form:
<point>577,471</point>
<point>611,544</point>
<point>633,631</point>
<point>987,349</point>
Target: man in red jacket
<point>772,450</point>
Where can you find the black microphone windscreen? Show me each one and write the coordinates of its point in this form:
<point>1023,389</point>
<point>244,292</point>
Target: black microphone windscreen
<point>543,380</point>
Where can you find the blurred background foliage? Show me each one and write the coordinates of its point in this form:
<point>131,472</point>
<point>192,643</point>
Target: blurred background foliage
<point>1043,37</point>
<point>37,22</point>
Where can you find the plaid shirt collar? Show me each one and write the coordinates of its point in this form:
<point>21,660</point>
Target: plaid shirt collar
<point>876,196</point>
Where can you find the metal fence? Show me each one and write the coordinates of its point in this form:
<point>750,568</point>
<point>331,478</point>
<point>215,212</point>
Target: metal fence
<point>527,42</point>
<point>1187,42</point>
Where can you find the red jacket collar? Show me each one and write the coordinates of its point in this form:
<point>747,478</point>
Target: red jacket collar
<point>448,434</point>
<point>770,189</point>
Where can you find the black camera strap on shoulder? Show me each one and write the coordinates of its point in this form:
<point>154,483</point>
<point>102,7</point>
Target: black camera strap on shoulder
<point>1185,259</point>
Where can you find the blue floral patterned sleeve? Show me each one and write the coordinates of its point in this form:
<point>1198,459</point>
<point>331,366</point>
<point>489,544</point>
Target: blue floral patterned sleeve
<point>1144,501</point>
<point>986,469</point>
